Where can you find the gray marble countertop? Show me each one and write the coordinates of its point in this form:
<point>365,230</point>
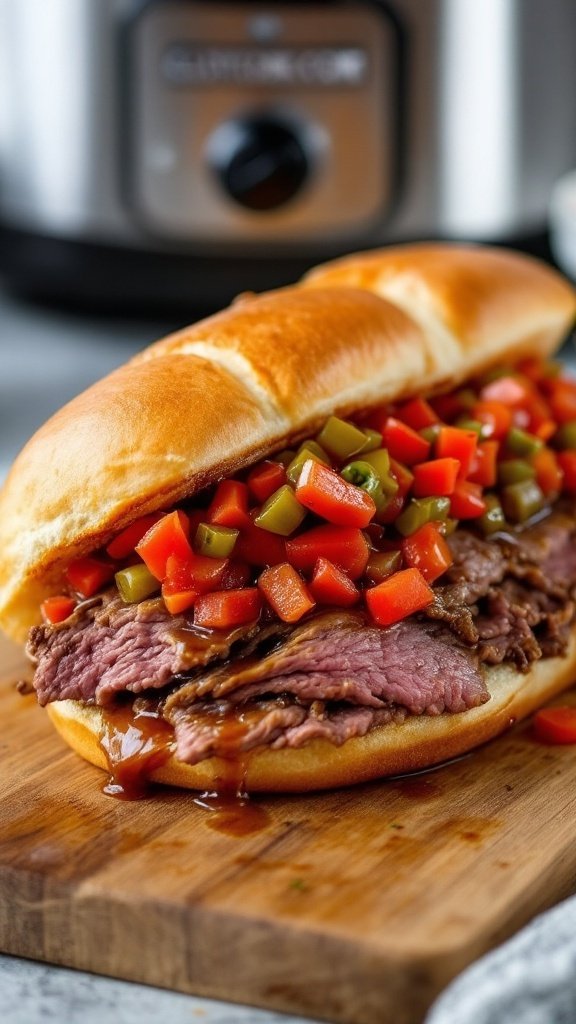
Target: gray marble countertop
<point>46,357</point>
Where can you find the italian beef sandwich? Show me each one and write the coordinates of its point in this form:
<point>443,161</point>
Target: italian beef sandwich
<point>326,535</point>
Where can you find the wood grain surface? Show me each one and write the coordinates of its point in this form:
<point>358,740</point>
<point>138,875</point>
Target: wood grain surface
<point>355,906</point>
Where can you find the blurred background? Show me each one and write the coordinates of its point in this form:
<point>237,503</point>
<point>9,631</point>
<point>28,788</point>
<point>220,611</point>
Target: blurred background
<point>159,156</point>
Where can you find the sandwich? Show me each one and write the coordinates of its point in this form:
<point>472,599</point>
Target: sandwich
<point>324,536</point>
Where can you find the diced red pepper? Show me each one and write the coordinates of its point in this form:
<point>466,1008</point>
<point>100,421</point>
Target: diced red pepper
<point>456,443</point>
<point>223,609</point>
<point>549,474</point>
<point>260,547</point>
<point>417,413</point>
<point>556,725</point>
<point>325,493</point>
<point>397,597</point>
<point>57,609</point>
<point>124,543</point>
<point>266,478</point>
<point>467,501</point>
<point>169,536</point>
<point>495,416</point>
<point>197,573</point>
<point>404,478</point>
<point>286,592</point>
<point>426,550</point>
<point>403,443</point>
<point>345,546</point>
<point>510,390</point>
<point>330,585</point>
<point>88,575</point>
<point>563,401</point>
<point>567,463</point>
<point>435,478</point>
<point>534,368</point>
<point>236,574</point>
<point>229,506</point>
<point>484,468</point>
<point>179,601</point>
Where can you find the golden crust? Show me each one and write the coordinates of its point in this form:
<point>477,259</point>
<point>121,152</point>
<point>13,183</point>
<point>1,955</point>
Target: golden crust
<point>388,750</point>
<point>218,395</point>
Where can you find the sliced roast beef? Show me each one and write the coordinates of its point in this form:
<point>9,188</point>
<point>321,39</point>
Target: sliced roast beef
<point>338,656</point>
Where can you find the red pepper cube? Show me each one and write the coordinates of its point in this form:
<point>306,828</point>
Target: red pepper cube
<point>456,443</point>
<point>563,401</point>
<point>169,536</point>
<point>325,493</point>
<point>567,463</point>
<point>417,413</point>
<point>467,502</point>
<point>397,597</point>
<point>556,725</point>
<point>88,575</point>
<point>124,542</point>
<point>259,547</point>
<point>549,474</point>
<point>403,443</point>
<point>180,601</point>
<point>495,417</point>
<point>484,467</point>
<point>332,586</point>
<point>57,608</point>
<point>404,478</point>
<point>426,550</point>
<point>286,592</point>
<point>229,506</point>
<point>345,546</point>
<point>224,609</point>
<point>266,478</point>
<point>435,478</point>
<point>198,573</point>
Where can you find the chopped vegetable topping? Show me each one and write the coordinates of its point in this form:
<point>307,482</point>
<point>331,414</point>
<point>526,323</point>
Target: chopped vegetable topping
<point>286,592</point>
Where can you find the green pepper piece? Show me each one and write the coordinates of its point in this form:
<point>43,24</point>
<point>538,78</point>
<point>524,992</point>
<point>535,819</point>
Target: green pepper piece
<point>382,564</point>
<point>522,500</point>
<point>295,467</point>
<point>467,397</point>
<point>448,526</point>
<point>281,513</point>
<point>341,439</point>
<point>467,424</point>
<point>420,511</point>
<point>285,457</point>
<point>314,447</point>
<point>430,433</point>
<point>514,471</point>
<point>215,541</point>
<point>493,519</point>
<point>520,443</point>
<point>363,475</point>
<point>380,461</point>
<point>373,440</point>
<point>136,583</point>
<point>565,437</point>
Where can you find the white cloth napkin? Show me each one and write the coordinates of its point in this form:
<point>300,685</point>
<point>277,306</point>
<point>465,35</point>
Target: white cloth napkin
<point>529,980</point>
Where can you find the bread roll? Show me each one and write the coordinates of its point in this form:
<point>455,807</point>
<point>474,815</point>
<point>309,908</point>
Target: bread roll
<point>217,396</point>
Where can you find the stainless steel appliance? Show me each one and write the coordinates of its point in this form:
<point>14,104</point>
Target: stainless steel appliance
<point>183,150</point>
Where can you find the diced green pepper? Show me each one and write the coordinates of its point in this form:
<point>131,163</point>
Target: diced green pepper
<point>523,444</point>
<point>294,469</point>
<point>341,439</point>
<point>430,433</point>
<point>514,471</point>
<point>282,513</point>
<point>285,457</point>
<point>215,541</point>
<point>493,519</point>
<point>448,527</point>
<point>136,583</point>
<point>467,424</point>
<point>314,447</point>
<point>373,440</point>
<point>420,511</point>
<point>565,437</point>
<point>380,461</point>
<point>522,500</point>
<point>363,475</point>
<point>467,397</point>
<point>382,564</point>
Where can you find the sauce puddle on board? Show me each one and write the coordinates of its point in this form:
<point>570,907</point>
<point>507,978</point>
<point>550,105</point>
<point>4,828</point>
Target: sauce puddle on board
<point>137,740</point>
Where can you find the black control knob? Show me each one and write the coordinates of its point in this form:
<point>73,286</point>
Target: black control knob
<point>259,161</point>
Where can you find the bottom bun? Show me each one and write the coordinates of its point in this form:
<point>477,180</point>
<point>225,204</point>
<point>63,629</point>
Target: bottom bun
<point>418,742</point>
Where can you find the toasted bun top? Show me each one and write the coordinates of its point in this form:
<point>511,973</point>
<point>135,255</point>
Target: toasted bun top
<point>216,396</point>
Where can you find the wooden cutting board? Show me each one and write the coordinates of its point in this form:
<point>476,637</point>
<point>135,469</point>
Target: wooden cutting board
<point>355,906</point>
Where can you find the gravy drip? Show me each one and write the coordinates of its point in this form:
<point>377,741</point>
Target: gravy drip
<point>136,741</point>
